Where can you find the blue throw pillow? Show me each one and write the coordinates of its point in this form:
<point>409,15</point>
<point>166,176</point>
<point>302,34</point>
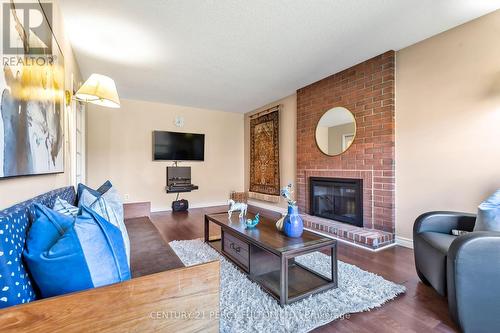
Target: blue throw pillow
<point>110,207</point>
<point>90,253</point>
<point>105,187</point>
<point>65,208</point>
<point>49,225</point>
<point>100,191</point>
<point>488,214</point>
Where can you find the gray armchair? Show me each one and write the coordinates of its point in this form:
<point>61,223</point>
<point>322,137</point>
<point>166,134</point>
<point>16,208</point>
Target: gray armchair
<point>465,268</point>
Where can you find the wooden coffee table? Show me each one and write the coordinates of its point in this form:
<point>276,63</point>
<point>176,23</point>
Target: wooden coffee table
<point>268,257</point>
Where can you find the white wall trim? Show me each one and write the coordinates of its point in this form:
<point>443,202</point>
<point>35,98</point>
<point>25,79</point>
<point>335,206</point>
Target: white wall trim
<point>198,205</point>
<point>405,242</point>
<point>263,205</point>
<point>255,203</point>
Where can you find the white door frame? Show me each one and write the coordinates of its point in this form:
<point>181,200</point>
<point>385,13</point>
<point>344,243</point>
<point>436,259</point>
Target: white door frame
<point>77,130</point>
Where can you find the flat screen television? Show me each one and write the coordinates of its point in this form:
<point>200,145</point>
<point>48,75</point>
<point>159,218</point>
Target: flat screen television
<point>175,146</point>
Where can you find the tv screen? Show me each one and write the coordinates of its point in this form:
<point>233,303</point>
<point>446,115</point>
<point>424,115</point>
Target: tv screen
<point>174,146</point>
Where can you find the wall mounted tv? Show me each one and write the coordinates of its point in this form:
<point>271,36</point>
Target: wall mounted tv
<point>175,146</point>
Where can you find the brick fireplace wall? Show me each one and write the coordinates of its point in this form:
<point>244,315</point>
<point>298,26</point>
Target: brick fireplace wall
<point>367,90</point>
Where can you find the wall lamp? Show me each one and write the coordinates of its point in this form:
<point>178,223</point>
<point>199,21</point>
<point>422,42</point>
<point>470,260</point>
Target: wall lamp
<point>98,89</point>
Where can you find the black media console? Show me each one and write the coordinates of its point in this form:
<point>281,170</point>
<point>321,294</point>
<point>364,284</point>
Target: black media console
<point>179,180</point>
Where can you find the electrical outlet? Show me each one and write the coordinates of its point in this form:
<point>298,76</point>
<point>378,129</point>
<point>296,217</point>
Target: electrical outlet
<point>126,196</point>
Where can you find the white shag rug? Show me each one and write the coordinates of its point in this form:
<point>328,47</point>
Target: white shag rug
<point>245,307</point>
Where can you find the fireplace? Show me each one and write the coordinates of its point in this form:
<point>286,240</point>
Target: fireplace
<point>338,199</point>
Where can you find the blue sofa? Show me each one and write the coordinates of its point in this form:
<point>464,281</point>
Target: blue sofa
<point>120,307</point>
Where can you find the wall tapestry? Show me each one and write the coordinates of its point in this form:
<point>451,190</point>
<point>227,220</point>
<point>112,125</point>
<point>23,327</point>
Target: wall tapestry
<point>264,153</point>
<point>32,96</point>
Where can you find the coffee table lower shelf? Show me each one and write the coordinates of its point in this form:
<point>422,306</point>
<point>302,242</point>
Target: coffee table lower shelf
<point>216,244</point>
<point>300,281</point>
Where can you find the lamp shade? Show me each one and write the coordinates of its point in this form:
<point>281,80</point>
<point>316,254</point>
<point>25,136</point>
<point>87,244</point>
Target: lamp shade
<point>99,89</point>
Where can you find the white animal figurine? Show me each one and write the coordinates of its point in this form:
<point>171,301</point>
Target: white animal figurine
<point>236,206</point>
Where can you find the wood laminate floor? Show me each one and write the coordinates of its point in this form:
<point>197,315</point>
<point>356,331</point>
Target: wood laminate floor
<point>421,309</point>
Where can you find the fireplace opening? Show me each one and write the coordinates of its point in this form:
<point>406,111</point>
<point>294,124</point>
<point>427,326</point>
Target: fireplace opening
<point>338,199</point>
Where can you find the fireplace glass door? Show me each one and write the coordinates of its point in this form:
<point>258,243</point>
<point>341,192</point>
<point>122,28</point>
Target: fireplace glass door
<point>337,199</point>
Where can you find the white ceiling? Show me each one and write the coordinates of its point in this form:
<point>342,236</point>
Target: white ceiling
<point>237,55</point>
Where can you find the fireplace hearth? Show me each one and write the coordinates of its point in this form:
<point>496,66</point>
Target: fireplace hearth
<point>339,199</point>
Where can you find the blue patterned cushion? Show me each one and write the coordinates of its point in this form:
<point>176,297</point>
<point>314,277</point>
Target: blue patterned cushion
<point>15,284</point>
<point>64,207</point>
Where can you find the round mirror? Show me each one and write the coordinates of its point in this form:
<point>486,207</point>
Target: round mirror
<point>335,131</point>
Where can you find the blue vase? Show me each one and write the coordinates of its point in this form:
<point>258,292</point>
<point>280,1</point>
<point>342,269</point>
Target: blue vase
<point>293,225</point>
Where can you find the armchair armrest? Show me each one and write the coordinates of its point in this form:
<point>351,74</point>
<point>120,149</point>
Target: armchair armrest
<point>473,274</point>
<point>444,222</point>
<point>179,300</point>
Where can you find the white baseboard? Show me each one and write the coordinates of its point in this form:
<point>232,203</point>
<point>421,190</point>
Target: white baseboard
<point>264,205</point>
<point>197,205</point>
<point>255,203</point>
<point>405,242</point>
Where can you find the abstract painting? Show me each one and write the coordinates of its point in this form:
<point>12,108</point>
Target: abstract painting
<point>264,153</point>
<point>32,105</point>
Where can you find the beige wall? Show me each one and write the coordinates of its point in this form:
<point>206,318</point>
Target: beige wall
<point>288,128</point>
<point>14,190</point>
<point>119,147</point>
<point>448,121</point>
